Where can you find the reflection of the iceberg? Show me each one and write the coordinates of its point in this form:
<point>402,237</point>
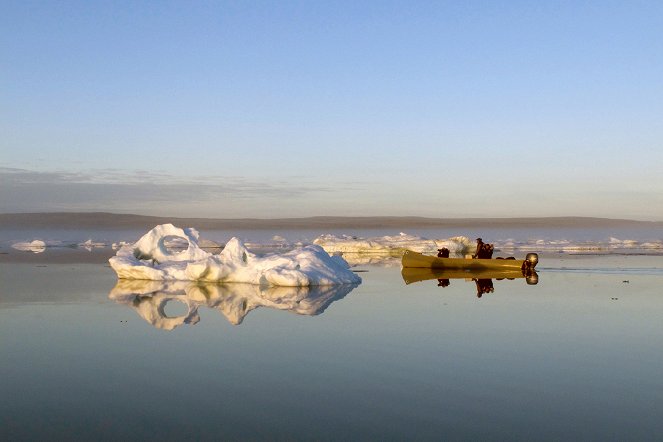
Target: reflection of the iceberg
<point>234,301</point>
<point>482,278</point>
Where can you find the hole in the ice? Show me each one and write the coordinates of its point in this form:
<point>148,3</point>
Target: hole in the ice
<point>174,308</point>
<point>173,245</point>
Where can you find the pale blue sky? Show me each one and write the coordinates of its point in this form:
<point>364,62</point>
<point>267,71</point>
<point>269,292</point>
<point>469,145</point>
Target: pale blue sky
<point>279,109</point>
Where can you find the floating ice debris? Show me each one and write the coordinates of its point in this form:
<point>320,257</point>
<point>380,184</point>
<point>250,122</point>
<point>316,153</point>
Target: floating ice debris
<point>36,246</point>
<point>652,245</point>
<point>568,246</point>
<point>117,245</point>
<point>394,245</point>
<point>234,301</point>
<point>150,259</point>
<point>382,249</point>
<point>89,245</point>
<point>626,243</point>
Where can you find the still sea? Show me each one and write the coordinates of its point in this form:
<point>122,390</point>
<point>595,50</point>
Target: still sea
<point>578,355</point>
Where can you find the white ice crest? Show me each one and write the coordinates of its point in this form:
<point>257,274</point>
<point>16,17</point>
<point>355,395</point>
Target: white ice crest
<point>393,245</point>
<point>151,259</point>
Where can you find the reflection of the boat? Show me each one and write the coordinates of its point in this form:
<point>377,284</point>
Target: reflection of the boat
<point>483,278</point>
<point>234,301</point>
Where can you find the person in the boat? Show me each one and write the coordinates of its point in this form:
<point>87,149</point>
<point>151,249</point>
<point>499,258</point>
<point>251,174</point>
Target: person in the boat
<point>484,251</point>
<point>443,252</point>
<point>479,247</point>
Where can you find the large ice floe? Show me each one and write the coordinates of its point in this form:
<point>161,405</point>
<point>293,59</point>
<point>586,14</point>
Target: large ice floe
<point>151,259</point>
<point>394,245</point>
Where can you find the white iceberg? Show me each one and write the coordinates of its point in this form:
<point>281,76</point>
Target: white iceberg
<point>150,259</point>
<point>394,245</point>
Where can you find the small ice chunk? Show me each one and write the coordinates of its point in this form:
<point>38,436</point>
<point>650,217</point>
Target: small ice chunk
<point>35,246</point>
<point>89,245</point>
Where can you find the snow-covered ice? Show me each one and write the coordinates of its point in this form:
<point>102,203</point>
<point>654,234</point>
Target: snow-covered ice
<point>150,259</point>
<point>394,245</point>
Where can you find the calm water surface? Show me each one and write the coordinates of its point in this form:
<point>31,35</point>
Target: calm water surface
<point>578,355</point>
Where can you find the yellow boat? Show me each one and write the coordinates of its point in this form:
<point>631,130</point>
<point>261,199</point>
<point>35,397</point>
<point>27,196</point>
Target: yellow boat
<point>417,260</point>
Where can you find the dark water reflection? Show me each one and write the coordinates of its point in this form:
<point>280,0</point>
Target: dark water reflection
<point>234,301</point>
<point>483,279</point>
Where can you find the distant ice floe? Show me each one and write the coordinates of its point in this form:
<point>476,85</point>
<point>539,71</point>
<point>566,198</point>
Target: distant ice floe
<point>36,246</point>
<point>151,259</point>
<point>119,245</point>
<point>612,245</point>
<point>90,244</point>
<point>394,245</point>
<point>234,301</point>
<point>386,250</point>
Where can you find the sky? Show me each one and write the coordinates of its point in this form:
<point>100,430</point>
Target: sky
<point>304,108</point>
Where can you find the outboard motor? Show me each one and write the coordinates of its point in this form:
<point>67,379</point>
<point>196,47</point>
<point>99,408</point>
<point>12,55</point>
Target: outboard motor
<point>531,260</point>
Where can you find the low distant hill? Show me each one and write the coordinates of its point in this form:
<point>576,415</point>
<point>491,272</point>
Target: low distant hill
<point>101,220</point>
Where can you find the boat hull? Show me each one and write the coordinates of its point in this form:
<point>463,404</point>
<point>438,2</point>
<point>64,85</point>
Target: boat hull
<point>417,260</point>
<point>411,275</point>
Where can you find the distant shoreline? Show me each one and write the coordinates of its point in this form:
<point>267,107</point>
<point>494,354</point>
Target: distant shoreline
<point>110,221</point>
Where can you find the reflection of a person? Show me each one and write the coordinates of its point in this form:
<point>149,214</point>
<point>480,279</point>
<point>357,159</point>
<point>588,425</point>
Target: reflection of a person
<point>484,286</point>
<point>443,282</point>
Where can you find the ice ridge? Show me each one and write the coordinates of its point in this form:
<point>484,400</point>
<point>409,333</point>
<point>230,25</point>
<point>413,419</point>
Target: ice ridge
<point>151,259</point>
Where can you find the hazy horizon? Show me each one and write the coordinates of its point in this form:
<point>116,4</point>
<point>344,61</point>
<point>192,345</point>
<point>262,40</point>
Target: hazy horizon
<point>109,219</point>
